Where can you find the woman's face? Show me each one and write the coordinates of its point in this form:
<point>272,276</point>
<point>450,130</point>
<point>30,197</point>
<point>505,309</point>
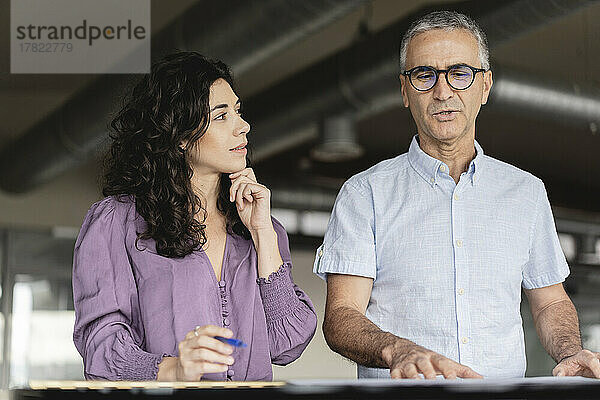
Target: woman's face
<point>222,148</point>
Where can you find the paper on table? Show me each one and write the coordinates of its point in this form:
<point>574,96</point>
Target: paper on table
<point>487,382</point>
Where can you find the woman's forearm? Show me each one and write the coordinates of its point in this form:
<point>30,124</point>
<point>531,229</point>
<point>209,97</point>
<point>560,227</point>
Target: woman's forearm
<point>267,250</point>
<point>167,369</point>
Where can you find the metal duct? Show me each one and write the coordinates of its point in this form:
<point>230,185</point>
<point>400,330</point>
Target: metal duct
<point>338,139</point>
<point>566,104</point>
<point>280,24</point>
<point>225,30</point>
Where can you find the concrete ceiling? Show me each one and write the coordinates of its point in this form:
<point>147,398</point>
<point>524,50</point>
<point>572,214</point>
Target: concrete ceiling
<point>27,98</point>
<point>567,49</point>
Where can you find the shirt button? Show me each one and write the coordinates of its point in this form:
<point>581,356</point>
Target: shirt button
<point>442,168</point>
<point>461,291</point>
<point>321,253</point>
<point>455,197</point>
<point>432,180</point>
<point>459,243</point>
<point>222,283</point>
<point>230,373</point>
<point>226,321</point>
<point>465,340</point>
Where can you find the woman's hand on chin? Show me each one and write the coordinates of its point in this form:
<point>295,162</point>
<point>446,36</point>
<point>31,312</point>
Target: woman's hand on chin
<point>253,200</point>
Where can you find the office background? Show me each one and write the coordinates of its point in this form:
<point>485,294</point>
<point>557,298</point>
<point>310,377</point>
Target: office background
<point>318,80</point>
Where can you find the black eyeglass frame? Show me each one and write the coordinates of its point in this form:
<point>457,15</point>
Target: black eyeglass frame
<point>437,73</point>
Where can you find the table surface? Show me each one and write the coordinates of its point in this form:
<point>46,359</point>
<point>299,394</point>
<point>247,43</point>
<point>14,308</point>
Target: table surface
<point>522,388</point>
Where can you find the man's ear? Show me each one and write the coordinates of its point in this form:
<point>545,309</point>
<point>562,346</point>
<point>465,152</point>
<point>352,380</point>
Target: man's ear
<point>403,89</point>
<point>488,81</point>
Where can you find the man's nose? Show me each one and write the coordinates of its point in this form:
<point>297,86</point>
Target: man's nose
<point>441,90</point>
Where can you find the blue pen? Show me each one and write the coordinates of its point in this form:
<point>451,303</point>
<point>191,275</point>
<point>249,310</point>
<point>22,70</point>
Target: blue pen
<point>233,342</point>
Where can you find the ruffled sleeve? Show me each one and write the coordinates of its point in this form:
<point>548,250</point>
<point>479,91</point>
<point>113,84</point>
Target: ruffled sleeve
<point>108,332</point>
<point>290,315</point>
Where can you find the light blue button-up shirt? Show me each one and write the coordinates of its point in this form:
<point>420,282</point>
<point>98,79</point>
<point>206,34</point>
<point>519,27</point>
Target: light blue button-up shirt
<point>448,260</point>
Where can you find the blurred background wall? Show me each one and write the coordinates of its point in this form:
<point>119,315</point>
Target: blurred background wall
<point>318,79</point>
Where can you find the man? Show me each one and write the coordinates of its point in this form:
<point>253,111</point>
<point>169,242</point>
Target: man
<point>425,254</point>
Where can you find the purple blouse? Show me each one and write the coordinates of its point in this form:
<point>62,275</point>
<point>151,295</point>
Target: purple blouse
<point>133,306</point>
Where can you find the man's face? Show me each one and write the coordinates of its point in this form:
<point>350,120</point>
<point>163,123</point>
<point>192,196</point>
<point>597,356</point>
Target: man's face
<point>442,113</point>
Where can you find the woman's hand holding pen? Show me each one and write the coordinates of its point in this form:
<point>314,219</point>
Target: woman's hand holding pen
<point>252,199</point>
<point>199,353</point>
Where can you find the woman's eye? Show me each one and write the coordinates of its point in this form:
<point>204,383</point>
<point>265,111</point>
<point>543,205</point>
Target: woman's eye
<point>239,111</point>
<point>221,116</point>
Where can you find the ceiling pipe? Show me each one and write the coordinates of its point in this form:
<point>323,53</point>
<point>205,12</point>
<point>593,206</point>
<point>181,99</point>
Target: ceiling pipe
<point>569,105</point>
<point>238,31</point>
<point>251,32</point>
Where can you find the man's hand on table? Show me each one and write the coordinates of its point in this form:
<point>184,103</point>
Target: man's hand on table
<point>409,364</point>
<point>585,363</point>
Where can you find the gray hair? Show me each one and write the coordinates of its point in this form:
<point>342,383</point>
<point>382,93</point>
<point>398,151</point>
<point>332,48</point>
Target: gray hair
<point>447,20</point>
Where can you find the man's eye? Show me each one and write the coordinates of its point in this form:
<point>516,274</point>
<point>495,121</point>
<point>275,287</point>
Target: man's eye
<point>425,76</point>
<point>221,116</point>
<point>460,75</point>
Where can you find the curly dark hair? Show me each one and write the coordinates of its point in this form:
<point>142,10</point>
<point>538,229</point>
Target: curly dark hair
<point>146,162</point>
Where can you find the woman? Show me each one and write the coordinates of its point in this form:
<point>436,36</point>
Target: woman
<point>183,249</point>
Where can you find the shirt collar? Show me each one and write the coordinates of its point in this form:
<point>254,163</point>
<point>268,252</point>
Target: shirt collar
<point>475,165</point>
<point>430,168</point>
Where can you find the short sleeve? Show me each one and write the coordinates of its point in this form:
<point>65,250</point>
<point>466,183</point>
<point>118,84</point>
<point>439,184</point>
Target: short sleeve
<point>108,332</point>
<point>547,264</point>
<point>349,243</point>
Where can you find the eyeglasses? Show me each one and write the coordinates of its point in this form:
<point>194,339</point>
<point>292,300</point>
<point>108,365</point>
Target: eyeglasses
<point>459,76</point>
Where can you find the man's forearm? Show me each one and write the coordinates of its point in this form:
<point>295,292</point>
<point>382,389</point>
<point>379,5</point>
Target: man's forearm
<point>557,326</point>
<point>351,334</point>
